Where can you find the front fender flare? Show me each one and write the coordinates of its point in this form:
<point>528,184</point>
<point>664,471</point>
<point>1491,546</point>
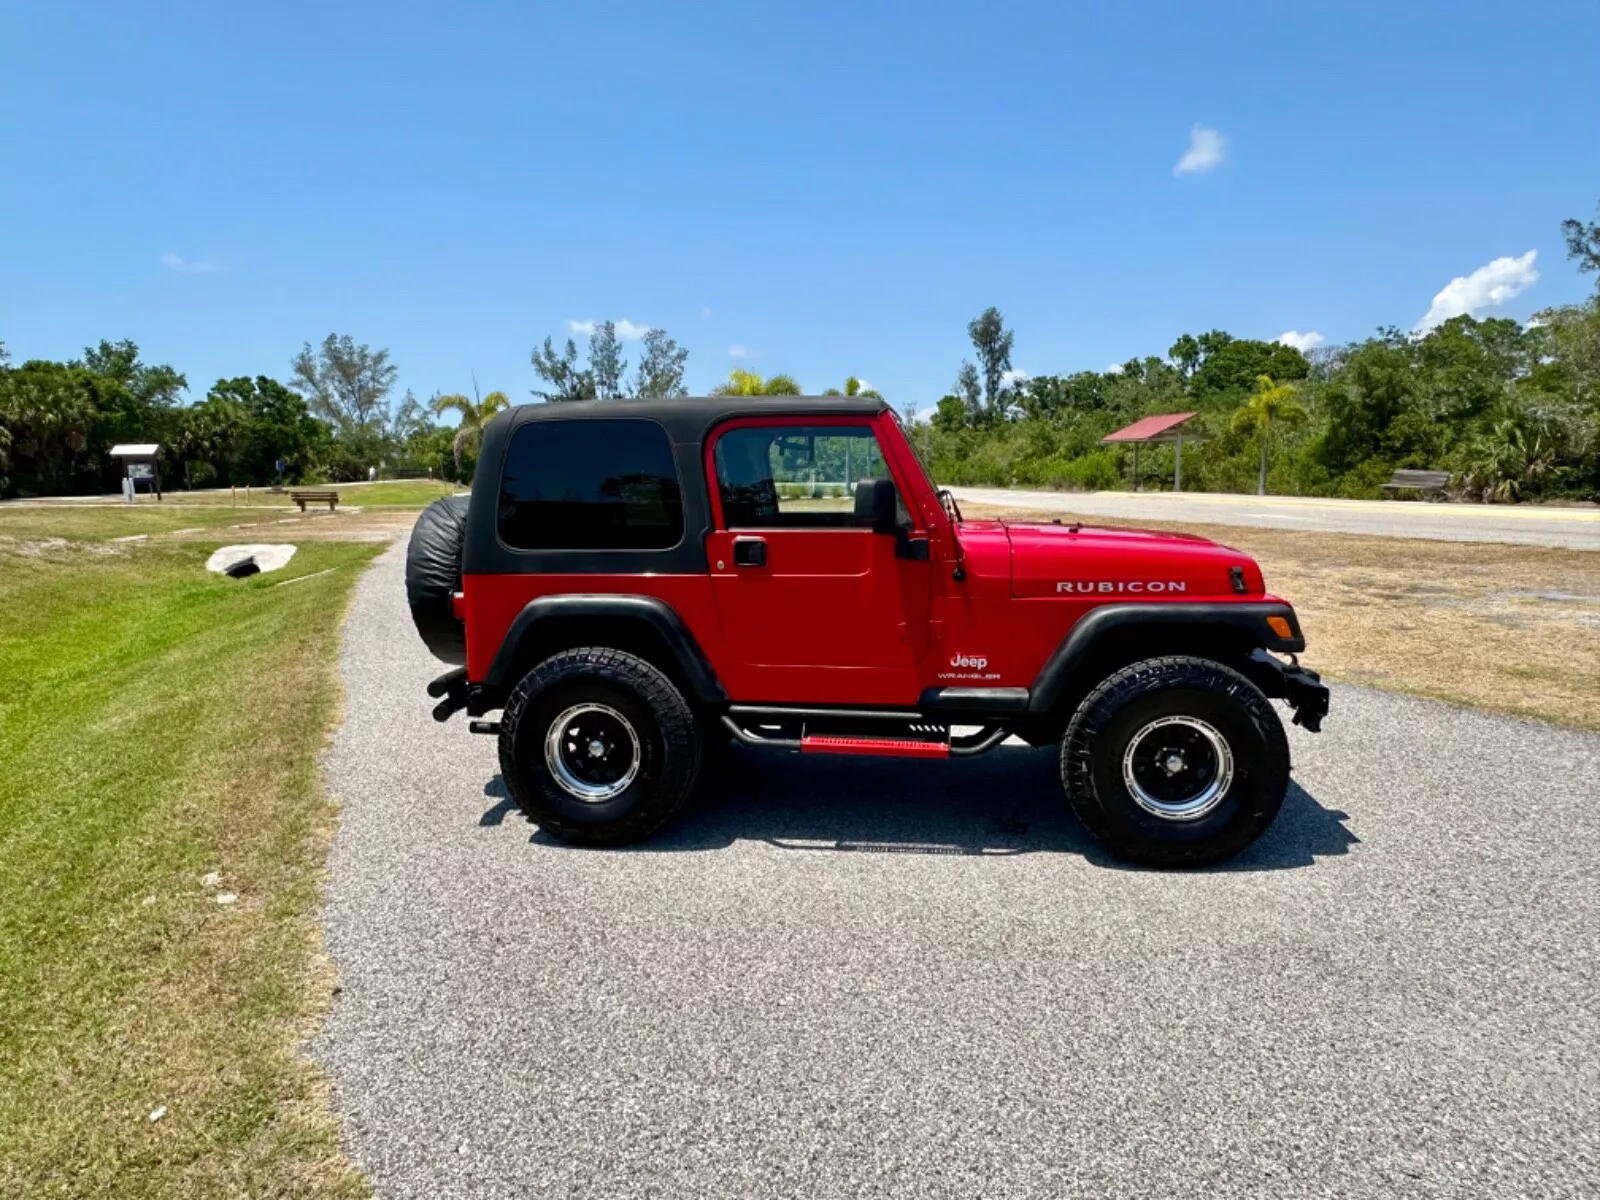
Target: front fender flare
<point>1240,616</point>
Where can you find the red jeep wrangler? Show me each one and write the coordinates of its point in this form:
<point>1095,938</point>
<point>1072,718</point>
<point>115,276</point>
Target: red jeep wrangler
<point>636,583</point>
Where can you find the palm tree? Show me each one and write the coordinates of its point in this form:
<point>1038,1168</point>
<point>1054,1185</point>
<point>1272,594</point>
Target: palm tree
<point>1518,446</point>
<point>749,383</point>
<point>1268,408</point>
<point>474,416</point>
<point>852,387</point>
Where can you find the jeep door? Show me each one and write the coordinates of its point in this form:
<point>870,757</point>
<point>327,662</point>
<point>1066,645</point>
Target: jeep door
<point>804,591</point>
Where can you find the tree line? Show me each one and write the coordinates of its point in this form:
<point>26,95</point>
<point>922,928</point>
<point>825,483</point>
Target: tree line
<point>333,418</point>
<point>1511,410</point>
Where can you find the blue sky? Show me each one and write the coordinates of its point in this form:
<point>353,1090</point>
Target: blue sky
<point>831,187</point>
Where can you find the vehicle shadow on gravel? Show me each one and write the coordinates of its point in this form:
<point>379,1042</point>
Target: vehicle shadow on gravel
<point>1003,804</point>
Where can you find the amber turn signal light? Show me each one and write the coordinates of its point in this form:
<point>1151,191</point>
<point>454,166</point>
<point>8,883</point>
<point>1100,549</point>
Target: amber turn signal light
<point>1280,626</point>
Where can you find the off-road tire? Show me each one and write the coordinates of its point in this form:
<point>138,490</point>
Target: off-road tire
<point>669,745</point>
<point>1113,714</point>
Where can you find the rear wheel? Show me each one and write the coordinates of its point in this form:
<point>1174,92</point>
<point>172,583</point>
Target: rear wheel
<point>1175,762</point>
<point>598,747</point>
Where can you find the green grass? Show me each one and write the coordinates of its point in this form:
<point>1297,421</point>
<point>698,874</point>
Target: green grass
<point>158,723</point>
<point>38,521</point>
<point>199,510</point>
<point>403,493</point>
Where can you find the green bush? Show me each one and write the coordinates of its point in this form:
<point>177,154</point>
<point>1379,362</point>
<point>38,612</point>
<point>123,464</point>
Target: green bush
<point>810,491</point>
<point>1097,472</point>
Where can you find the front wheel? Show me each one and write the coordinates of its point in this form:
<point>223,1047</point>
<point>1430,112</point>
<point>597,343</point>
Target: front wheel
<point>598,747</point>
<point>1175,762</point>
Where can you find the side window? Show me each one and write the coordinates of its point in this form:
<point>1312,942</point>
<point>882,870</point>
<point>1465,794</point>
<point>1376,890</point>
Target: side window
<point>798,477</point>
<point>590,485</point>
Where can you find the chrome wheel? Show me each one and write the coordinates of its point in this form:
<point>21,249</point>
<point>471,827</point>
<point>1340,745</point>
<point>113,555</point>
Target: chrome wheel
<point>592,752</point>
<point>1178,768</point>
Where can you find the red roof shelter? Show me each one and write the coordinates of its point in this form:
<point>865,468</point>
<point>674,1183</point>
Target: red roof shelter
<point>1168,427</point>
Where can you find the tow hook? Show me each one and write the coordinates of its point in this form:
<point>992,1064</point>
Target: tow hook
<point>1301,687</point>
<point>1307,695</point>
<point>492,728</point>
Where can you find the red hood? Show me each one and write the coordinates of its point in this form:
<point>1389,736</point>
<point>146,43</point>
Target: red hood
<point>1065,561</point>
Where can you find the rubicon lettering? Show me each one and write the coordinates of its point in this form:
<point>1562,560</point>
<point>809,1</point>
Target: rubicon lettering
<point>1105,586</point>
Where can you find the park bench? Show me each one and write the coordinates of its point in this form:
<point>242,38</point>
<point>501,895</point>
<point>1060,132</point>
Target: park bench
<point>1429,483</point>
<point>303,498</point>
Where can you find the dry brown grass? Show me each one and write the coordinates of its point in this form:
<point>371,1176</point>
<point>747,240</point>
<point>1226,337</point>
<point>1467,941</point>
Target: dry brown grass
<point>1513,629</point>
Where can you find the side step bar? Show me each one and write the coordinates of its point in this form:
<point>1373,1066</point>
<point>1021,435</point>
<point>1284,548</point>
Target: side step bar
<point>985,739</point>
<point>888,747</point>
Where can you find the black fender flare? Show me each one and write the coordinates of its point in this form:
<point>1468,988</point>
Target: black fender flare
<point>1246,616</point>
<point>650,611</point>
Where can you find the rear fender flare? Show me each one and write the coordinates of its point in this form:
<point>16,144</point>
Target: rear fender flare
<point>1239,621</point>
<point>649,611</point>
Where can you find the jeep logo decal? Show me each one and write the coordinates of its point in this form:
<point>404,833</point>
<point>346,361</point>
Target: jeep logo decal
<point>967,660</point>
<point>1102,586</point>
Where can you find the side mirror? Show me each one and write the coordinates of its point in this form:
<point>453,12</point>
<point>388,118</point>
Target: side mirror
<point>876,505</point>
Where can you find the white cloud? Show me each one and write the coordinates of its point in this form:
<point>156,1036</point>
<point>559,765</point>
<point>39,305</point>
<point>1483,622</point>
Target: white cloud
<point>627,331</point>
<point>1207,149</point>
<point>1114,369</point>
<point>190,266</point>
<point>1303,342</point>
<point>738,351</point>
<point>866,385</point>
<point>1010,377</point>
<point>1491,284</point>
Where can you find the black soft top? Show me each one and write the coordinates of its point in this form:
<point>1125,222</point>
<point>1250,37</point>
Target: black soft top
<point>687,420</point>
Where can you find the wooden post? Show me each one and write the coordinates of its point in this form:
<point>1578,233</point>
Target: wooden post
<point>1177,465</point>
<point>1136,466</point>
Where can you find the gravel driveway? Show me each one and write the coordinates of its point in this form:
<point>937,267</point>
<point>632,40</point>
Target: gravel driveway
<point>869,978</point>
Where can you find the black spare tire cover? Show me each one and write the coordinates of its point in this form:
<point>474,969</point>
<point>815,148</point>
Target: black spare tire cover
<point>433,577</point>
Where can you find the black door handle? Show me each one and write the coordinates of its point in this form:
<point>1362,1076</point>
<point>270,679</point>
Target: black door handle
<point>749,552</point>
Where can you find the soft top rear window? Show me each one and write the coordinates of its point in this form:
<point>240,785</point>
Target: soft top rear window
<point>590,485</point>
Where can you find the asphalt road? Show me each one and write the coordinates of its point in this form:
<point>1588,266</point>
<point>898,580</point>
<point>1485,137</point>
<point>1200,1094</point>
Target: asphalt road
<point>869,978</point>
<point>1530,525</point>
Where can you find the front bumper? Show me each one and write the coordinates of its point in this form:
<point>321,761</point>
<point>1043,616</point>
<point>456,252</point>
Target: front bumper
<point>1301,687</point>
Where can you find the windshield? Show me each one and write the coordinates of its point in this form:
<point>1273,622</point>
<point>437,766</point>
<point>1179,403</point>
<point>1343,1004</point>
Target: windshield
<point>918,451</point>
<point>946,500</point>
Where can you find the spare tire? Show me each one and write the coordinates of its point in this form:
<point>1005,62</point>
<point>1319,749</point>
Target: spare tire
<point>433,577</point>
